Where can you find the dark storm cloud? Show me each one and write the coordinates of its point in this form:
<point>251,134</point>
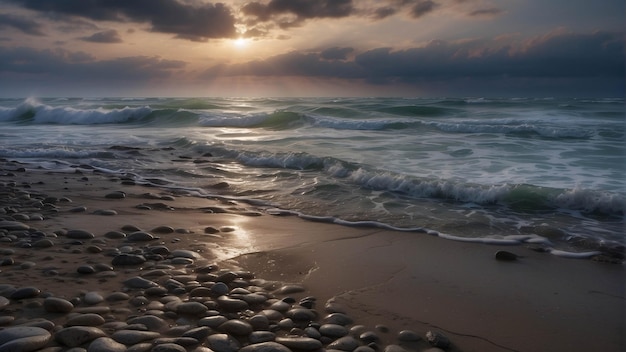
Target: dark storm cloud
<point>108,36</point>
<point>566,55</point>
<point>67,66</point>
<point>486,12</point>
<point>422,8</point>
<point>183,19</point>
<point>300,9</point>
<point>22,24</point>
<point>336,53</point>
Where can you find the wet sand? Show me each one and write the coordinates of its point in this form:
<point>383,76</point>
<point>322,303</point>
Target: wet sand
<point>396,281</point>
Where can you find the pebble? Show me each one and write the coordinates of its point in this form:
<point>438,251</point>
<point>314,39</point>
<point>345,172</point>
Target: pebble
<point>74,336</point>
<point>57,305</point>
<point>408,335</point>
<point>128,259</point>
<point>261,336</point>
<point>223,343</point>
<point>79,234</point>
<point>236,327</point>
<point>131,337</point>
<point>300,343</point>
<point>346,343</point>
<point>25,292</point>
<point>4,302</point>
<point>105,344</point>
<point>140,236</point>
<point>92,298</point>
<point>168,347</point>
<point>139,282</point>
<point>506,256</point>
<point>116,195</point>
<point>88,319</point>
<point>437,339</point>
<point>23,339</point>
<point>152,322</point>
<point>265,347</point>
<point>334,330</point>
<point>191,308</point>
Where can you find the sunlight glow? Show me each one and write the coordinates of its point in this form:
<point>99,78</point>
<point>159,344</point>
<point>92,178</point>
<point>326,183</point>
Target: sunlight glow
<point>240,42</point>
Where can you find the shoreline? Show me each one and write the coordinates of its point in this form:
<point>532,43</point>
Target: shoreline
<point>400,280</point>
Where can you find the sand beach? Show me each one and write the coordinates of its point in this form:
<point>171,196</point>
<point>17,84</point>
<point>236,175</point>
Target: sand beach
<point>94,262</point>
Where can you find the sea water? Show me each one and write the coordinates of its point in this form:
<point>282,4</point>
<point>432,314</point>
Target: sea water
<point>548,172</point>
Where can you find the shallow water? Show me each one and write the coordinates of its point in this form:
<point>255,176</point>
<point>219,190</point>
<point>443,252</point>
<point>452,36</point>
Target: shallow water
<point>522,170</point>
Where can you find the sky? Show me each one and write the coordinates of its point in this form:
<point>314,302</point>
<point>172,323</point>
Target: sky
<point>118,48</point>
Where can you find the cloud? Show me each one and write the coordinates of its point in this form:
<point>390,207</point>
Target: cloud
<point>486,12</point>
<point>108,36</point>
<point>76,66</point>
<point>422,8</point>
<point>560,55</point>
<point>24,25</point>
<point>336,53</point>
<point>184,19</point>
<point>289,13</point>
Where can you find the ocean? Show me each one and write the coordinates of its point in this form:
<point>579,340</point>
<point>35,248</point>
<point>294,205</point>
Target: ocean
<point>542,173</point>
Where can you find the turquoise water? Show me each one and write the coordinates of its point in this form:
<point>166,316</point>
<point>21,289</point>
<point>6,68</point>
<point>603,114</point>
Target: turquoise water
<point>549,171</point>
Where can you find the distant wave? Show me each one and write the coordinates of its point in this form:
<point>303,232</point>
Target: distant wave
<point>198,112</point>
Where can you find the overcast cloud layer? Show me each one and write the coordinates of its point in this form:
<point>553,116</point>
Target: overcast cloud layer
<point>467,47</point>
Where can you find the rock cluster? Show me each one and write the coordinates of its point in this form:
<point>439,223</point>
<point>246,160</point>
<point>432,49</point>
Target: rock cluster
<point>167,299</point>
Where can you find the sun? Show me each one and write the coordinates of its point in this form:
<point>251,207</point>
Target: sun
<point>241,42</point>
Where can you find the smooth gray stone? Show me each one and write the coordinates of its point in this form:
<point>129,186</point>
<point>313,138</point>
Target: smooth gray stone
<point>23,339</point>
<point>223,343</point>
<point>219,289</point>
<point>185,254</point>
<point>140,236</point>
<point>43,243</point>
<point>74,336</point>
<point>152,322</point>
<point>364,349</point>
<point>128,259</point>
<point>79,234</point>
<point>437,339</point>
<point>346,343</point>
<point>231,304</point>
<point>199,333</point>
<point>301,314</point>
<point>168,347</point>
<point>92,298</point>
<point>261,336</point>
<point>236,327</point>
<point>408,335</point>
<point>118,296</point>
<point>115,195</point>
<point>13,225</point>
<point>25,292</point>
<point>259,322</point>
<point>105,344</point>
<point>57,305</point>
<point>139,282</point>
<point>4,302</point>
<point>265,347</point>
<point>338,318</point>
<point>105,212</point>
<point>212,322</point>
<point>300,343</point>
<point>288,289</point>
<point>312,332</point>
<point>193,308</point>
<point>131,337</point>
<point>88,319</point>
<point>280,306</point>
<point>369,336</point>
<point>333,330</point>
<point>394,348</point>
<point>115,235</point>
